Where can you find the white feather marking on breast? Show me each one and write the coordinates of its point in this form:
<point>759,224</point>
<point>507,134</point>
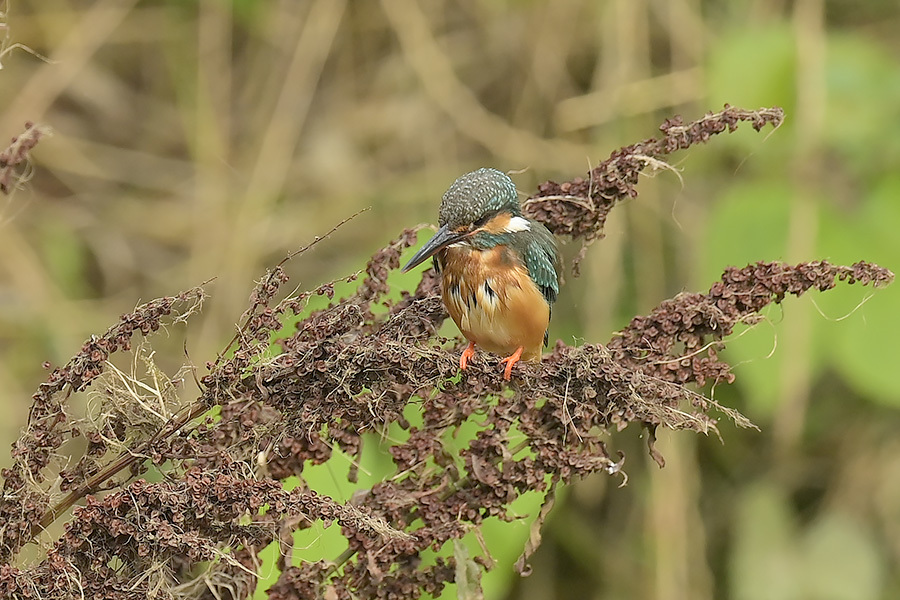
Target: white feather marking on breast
<point>487,297</point>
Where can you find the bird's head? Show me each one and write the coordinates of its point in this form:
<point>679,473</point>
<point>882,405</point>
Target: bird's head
<point>479,209</point>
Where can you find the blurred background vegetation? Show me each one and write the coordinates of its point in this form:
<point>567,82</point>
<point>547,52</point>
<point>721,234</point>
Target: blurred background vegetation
<point>208,139</point>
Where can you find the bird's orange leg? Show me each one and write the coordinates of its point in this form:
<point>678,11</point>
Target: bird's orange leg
<point>467,355</point>
<point>510,361</point>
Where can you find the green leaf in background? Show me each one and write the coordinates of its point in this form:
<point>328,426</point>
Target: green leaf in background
<point>750,223</point>
<point>764,562</point>
<point>862,346</point>
<point>330,479</point>
<point>504,540</point>
<point>840,560</point>
<point>753,67</point>
<point>863,104</point>
<point>65,256</point>
<point>774,559</point>
<point>468,574</point>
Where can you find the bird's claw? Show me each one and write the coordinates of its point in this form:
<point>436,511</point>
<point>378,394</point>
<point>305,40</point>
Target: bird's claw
<point>510,361</point>
<point>467,355</point>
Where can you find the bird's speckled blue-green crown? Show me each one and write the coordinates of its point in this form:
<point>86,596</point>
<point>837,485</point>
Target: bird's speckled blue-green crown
<point>476,194</point>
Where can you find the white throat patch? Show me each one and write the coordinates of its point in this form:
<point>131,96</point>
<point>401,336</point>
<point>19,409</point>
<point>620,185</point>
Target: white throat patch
<point>517,224</point>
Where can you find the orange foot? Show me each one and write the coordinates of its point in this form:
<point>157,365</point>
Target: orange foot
<point>510,361</point>
<point>467,355</point>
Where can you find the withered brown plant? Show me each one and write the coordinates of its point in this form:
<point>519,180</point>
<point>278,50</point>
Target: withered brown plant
<point>14,158</point>
<point>271,405</point>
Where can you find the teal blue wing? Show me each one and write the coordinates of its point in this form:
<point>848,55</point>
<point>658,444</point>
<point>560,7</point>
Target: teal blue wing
<point>543,263</point>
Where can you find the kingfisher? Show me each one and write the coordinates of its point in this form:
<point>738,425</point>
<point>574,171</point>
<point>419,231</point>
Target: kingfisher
<point>499,270</point>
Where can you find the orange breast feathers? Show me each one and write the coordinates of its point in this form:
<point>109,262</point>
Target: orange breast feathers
<point>493,301</point>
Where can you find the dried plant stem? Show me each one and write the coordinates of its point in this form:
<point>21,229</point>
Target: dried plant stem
<point>124,461</point>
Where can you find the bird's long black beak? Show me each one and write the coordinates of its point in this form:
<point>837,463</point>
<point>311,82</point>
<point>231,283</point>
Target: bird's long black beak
<point>443,238</point>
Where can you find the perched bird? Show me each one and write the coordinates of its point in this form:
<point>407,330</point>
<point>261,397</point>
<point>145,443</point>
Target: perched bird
<point>499,270</point>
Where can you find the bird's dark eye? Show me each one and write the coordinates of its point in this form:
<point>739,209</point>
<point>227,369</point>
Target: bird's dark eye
<point>483,220</point>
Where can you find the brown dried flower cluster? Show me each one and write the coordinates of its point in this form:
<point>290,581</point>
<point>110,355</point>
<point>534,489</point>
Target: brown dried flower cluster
<point>269,409</point>
<point>579,208</point>
<point>699,321</point>
<point>15,156</point>
<point>24,506</point>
